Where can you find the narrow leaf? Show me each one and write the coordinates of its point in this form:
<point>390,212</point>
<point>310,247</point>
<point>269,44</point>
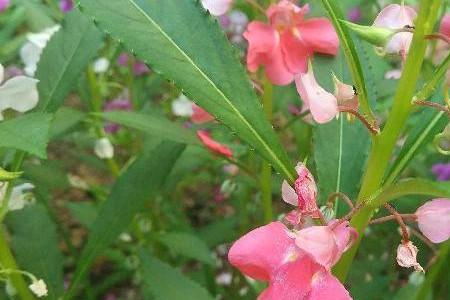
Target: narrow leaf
<point>183,42</point>
<point>167,283</point>
<point>188,245</point>
<point>29,133</point>
<point>413,187</point>
<point>65,118</point>
<point>35,244</point>
<point>152,125</point>
<point>128,196</point>
<point>64,58</point>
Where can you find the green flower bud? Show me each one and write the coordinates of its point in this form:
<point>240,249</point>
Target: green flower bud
<point>377,36</point>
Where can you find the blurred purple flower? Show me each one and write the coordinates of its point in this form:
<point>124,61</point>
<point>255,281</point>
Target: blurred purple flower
<point>224,21</point>
<point>4,4</point>
<point>139,68</point>
<point>354,14</point>
<point>441,171</point>
<point>13,71</point>
<point>116,104</point>
<point>66,5</point>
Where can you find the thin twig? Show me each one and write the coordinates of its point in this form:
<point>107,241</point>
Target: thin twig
<point>434,105</point>
<point>332,197</point>
<point>392,217</point>
<point>405,234</point>
<point>373,128</point>
<point>438,36</point>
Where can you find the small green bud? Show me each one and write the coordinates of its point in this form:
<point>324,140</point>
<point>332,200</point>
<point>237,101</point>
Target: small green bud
<point>7,176</point>
<point>377,36</point>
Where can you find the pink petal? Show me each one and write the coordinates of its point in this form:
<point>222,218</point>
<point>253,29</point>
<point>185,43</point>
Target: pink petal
<point>319,35</point>
<point>276,69</point>
<point>306,189</point>
<point>344,235</point>
<point>292,281</point>
<point>434,220</point>
<point>295,52</point>
<point>407,256</point>
<point>326,287</point>
<point>444,28</point>
<point>262,40</point>
<point>288,194</point>
<point>199,115</point>
<point>4,5</point>
<point>212,145</point>
<point>319,242</point>
<point>323,105</point>
<point>345,95</point>
<point>217,7</point>
<point>285,14</point>
<point>259,253</point>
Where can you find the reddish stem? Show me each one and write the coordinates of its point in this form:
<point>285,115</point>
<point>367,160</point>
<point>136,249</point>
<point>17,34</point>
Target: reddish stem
<point>405,234</point>
<point>434,105</point>
<point>438,36</point>
<point>373,128</point>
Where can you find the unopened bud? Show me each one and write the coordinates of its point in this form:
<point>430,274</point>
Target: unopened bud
<point>377,36</point>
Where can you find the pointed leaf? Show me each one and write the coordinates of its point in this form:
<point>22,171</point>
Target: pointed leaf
<point>179,39</point>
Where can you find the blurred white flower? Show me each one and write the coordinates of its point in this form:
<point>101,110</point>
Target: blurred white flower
<point>104,149</point>
<point>39,288</point>
<point>224,278</point>
<point>31,51</point>
<point>18,93</point>
<point>77,182</point>
<point>20,195</point>
<point>101,65</point>
<point>217,7</point>
<point>182,106</point>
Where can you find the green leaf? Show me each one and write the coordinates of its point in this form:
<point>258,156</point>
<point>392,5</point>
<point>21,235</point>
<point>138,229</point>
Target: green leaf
<point>29,133</point>
<point>153,125</point>
<point>128,196</point>
<point>65,118</point>
<point>340,153</point>
<point>184,43</point>
<point>83,212</point>
<point>430,124</point>
<point>188,245</point>
<point>356,70</point>
<point>166,283</point>
<point>413,186</point>
<point>64,58</point>
<point>36,246</point>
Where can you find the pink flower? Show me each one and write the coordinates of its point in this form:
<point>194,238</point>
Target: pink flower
<point>116,104</point>
<point>66,5</point>
<point>397,16</point>
<point>212,145</point>
<point>139,67</point>
<point>122,60</point>
<point>434,220</point>
<point>199,115</point>
<point>4,4</point>
<point>322,104</point>
<point>444,28</point>
<point>305,192</point>
<point>407,256</point>
<point>269,253</point>
<point>284,45</point>
<point>326,243</point>
<point>345,95</point>
<point>217,7</point>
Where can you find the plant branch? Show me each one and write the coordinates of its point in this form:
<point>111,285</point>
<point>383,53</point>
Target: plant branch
<point>372,127</point>
<point>398,217</point>
<point>438,106</point>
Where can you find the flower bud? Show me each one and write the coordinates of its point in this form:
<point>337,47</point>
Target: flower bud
<point>104,149</point>
<point>433,219</point>
<point>39,288</point>
<point>345,94</point>
<point>306,190</point>
<point>377,36</point>
<point>407,256</point>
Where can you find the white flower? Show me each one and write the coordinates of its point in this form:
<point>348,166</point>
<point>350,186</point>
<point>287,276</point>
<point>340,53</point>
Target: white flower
<point>18,93</point>
<point>104,149</point>
<point>217,7</point>
<point>101,65</point>
<point>182,106</point>
<point>20,195</point>
<point>224,278</point>
<point>39,288</point>
<point>31,51</point>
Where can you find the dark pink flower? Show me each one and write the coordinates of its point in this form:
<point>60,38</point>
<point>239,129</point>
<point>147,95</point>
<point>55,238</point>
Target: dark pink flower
<point>199,115</point>
<point>66,5</point>
<point>139,68</point>
<point>4,4</point>
<point>354,14</point>
<point>433,219</point>
<point>212,145</point>
<point>284,45</point>
<point>122,60</point>
<point>269,253</point>
<point>305,192</point>
<point>117,104</point>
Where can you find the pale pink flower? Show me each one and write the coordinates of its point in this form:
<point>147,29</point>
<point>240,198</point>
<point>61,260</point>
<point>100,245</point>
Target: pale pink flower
<point>444,27</point>
<point>326,243</point>
<point>212,145</point>
<point>269,253</point>
<point>217,7</point>
<point>284,45</point>
<point>322,104</point>
<point>407,256</point>
<point>345,94</point>
<point>304,193</point>
<point>199,115</point>
<point>433,219</point>
<point>66,5</point>
<point>395,16</point>
<point>442,48</point>
<point>4,5</point>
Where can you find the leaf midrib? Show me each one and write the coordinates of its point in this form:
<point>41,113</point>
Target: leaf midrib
<point>240,116</point>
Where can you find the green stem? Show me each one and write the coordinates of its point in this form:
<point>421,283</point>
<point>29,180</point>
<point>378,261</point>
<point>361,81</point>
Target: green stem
<point>266,169</point>
<point>384,144</point>
<point>7,262</point>
<point>16,165</point>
